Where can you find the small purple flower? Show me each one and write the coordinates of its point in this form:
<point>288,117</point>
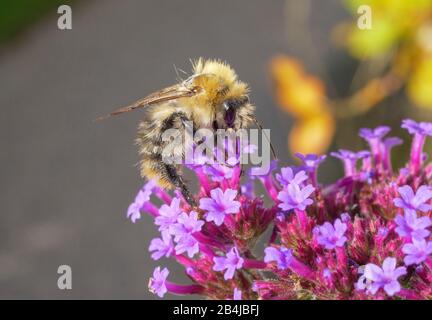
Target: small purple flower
<point>350,155</point>
<point>287,176</point>
<point>143,196</point>
<point>327,273</point>
<point>157,282</point>
<point>133,211</point>
<point>311,161</point>
<point>388,145</point>
<point>162,247</point>
<point>421,128</point>
<point>345,217</point>
<point>186,224</point>
<point>386,277</point>
<point>231,263</point>
<point>199,159</point>
<point>412,227</point>
<point>220,204</point>
<point>168,214</point>
<point>219,172</point>
<point>374,137</point>
<point>295,197</point>
<point>331,236</point>
<point>391,142</point>
<point>383,232</point>
<point>237,294</point>
<point>282,257</point>
<point>374,134</point>
<point>417,251</point>
<point>247,188</point>
<point>187,243</point>
<point>411,202</point>
<point>349,159</point>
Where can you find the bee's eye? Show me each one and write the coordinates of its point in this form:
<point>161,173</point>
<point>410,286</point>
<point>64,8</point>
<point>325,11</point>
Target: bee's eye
<point>230,114</point>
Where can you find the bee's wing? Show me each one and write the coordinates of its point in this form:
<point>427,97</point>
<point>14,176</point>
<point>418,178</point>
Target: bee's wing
<point>170,93</point>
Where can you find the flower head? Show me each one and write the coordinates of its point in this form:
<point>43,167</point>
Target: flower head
<point>316,249</point>
<point>230,263</point>
<point>375,278</point>
<point>282,257</point>
<point>220,204</point>
<point>331,236</point>
<point>295,197</point>
<point>417,251</point>
<point>411,202</point>
<point>157,282</point>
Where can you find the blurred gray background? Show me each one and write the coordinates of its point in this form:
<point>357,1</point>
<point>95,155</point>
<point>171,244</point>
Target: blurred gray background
<point>66,182</point>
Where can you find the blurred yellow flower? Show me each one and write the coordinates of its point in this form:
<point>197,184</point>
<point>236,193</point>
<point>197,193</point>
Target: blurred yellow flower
<point>304,97</point>
<point>312,135</point>
<point>403,28</point>
<point>420,84</point>
<point>396,53</point>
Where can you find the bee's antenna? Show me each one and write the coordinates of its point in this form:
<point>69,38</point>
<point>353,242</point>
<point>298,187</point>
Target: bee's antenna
<point>271,145</point>
<point>182,71</point>
<point>179,79</point>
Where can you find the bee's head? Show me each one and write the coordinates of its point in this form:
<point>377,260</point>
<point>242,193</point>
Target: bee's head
<point>224,92</point>
<point>234,113</point>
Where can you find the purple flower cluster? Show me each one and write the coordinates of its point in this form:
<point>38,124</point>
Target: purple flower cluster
<point>365,236</point>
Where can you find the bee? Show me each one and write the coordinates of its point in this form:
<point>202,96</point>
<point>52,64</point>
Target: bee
<point>212,97</point>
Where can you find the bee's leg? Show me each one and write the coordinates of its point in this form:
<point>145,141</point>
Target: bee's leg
<point>180,122</point>
<point>178,182</point>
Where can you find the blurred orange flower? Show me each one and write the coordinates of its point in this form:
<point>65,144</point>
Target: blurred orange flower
<point>304,97</point>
